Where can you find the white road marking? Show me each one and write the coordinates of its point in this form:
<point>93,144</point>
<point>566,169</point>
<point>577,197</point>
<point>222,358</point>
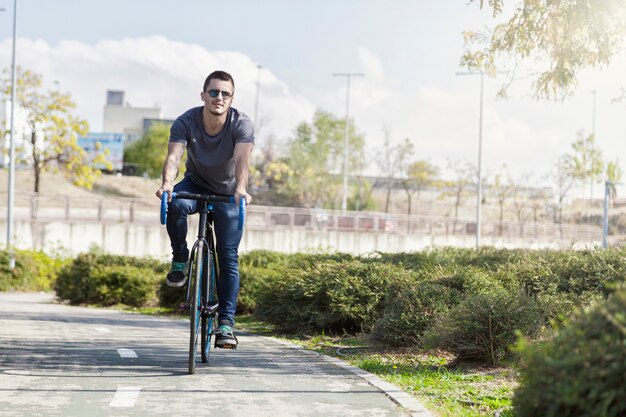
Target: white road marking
<point>125,397</point>
<point>127,353</point>
<point>103,330</point>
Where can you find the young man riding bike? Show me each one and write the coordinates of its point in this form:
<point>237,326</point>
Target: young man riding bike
<point>219,140</point>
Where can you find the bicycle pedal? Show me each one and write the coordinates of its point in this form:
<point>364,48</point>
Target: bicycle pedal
<point>231,347</point>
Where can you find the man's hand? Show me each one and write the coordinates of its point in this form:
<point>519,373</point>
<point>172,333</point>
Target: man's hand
<point>241,193</point>
<point>166,187</point>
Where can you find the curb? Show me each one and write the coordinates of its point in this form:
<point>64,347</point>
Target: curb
<point>412,406</point>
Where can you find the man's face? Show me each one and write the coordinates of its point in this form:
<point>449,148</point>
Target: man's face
<point>215,100</point>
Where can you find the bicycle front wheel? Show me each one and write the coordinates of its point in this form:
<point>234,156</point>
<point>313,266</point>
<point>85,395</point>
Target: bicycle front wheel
<point>209,321</point>
<point>195,304</point>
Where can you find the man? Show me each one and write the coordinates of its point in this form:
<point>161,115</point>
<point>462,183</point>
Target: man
<point>219,140</point>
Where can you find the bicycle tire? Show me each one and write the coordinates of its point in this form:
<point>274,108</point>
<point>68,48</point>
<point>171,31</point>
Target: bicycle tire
<point>209,323</point>
<point>195,305</point>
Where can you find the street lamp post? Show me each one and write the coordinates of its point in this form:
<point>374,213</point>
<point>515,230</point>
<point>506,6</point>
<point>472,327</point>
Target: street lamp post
<point>479,186</point>
<point>12,150</point>
<point>346,139</point>
<point>479,193</point>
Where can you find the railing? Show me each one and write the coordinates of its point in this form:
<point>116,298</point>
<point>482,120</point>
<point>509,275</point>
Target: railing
<point>46,208</point>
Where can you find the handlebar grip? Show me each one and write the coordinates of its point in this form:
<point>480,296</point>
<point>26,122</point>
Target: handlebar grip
<point>164,198</point>
<point>242,213</point>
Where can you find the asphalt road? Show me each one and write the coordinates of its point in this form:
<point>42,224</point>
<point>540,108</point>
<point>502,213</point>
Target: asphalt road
<point>59,360</point>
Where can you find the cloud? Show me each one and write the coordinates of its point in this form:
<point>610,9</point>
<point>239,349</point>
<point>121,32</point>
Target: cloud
<point>441,120</point>
<point>155,71</point>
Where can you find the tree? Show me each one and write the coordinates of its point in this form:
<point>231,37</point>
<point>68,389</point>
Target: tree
<point>405,152</point>
<point>149,152</point>
<point>563,180</point>
<point>585,163</point>
<point>361,198</point>
<point>391,161</point>
<point>387,166</point>
<point>464,174</point>
<point>315,158</point>
<point>564,37</point>
<point>419,175</point>
<point>521,202</point>
<point>614,175</point>
<point>502,189</point>
<point>52,131</point>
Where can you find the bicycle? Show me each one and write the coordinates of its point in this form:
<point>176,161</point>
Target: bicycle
<point>201,299</point>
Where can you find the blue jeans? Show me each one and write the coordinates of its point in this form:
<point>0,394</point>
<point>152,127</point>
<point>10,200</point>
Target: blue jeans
<point>228,237</point>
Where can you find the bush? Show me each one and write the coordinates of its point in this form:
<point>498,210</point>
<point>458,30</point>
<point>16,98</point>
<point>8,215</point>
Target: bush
<point>121,284</point>
<point>562,281</point>
<point>486,258</point>
<point>590,270</point>
<point>483,326</point>
<point>410,308</point>
<point>255,268</point>
<point>98,278</point>
<point>326,295</point>
<point>467,280</point>
<point>34,271</point>
<point>582,370</point>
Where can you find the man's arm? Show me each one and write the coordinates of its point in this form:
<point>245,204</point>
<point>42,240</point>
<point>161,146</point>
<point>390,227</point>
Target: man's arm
<point>242,170</point>
<point>175,151</point>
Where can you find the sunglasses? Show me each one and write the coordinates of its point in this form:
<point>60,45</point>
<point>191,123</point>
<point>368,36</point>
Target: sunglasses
<point>214,93</point>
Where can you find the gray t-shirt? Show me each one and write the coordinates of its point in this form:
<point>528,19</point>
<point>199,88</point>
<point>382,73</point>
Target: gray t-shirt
<point>210,162</point>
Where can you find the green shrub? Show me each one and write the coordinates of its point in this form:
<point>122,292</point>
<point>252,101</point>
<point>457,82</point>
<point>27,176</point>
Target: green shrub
<point>582,370</point>
<point>467,280</point>
<point>171,297</point>
<point>255,268</point>
<point>557,307</point>
<point>78,281</point>
<point>410,308</point>
<point>486,258</point>
<point>561,281</point>
<point>483,326</point>
<point>590,270</point>
<point>121,284</point>
<point>326,295</point>
<point>34,271</point>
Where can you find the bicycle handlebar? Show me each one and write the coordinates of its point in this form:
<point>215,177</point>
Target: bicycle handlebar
<point>204,197</point>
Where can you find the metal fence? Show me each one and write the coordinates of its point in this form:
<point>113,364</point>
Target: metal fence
<point>46,208</point>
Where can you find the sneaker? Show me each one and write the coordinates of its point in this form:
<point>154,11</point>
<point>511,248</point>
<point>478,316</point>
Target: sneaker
<point>177,277</point>
<point>224,338</point>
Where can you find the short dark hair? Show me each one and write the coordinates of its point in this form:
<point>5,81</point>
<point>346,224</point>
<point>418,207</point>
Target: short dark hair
<point>219,75</point>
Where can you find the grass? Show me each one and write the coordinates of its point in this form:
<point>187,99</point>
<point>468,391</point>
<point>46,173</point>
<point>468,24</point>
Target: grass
<point>445,387</point>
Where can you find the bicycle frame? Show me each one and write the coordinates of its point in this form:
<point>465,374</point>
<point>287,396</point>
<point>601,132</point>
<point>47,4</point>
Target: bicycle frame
<point>202,273</point>
<point>205,229</point>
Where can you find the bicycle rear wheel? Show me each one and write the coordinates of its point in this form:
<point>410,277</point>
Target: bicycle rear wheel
<point>209,321</point>
<point>195,303</point>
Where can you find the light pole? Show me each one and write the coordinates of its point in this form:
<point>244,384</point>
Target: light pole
<point>479,193</point>
<point>12,150</point>
<point>344,188</point>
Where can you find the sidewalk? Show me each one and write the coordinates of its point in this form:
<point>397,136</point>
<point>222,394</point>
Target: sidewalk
<point>62,360</point>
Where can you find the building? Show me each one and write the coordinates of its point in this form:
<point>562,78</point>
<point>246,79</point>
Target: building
<point>120,117</point>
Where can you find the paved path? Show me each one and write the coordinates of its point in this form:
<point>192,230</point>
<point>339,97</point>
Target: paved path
<point>58,360</point>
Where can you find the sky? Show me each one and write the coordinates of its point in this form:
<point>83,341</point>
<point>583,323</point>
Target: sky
<point>159,52</point>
